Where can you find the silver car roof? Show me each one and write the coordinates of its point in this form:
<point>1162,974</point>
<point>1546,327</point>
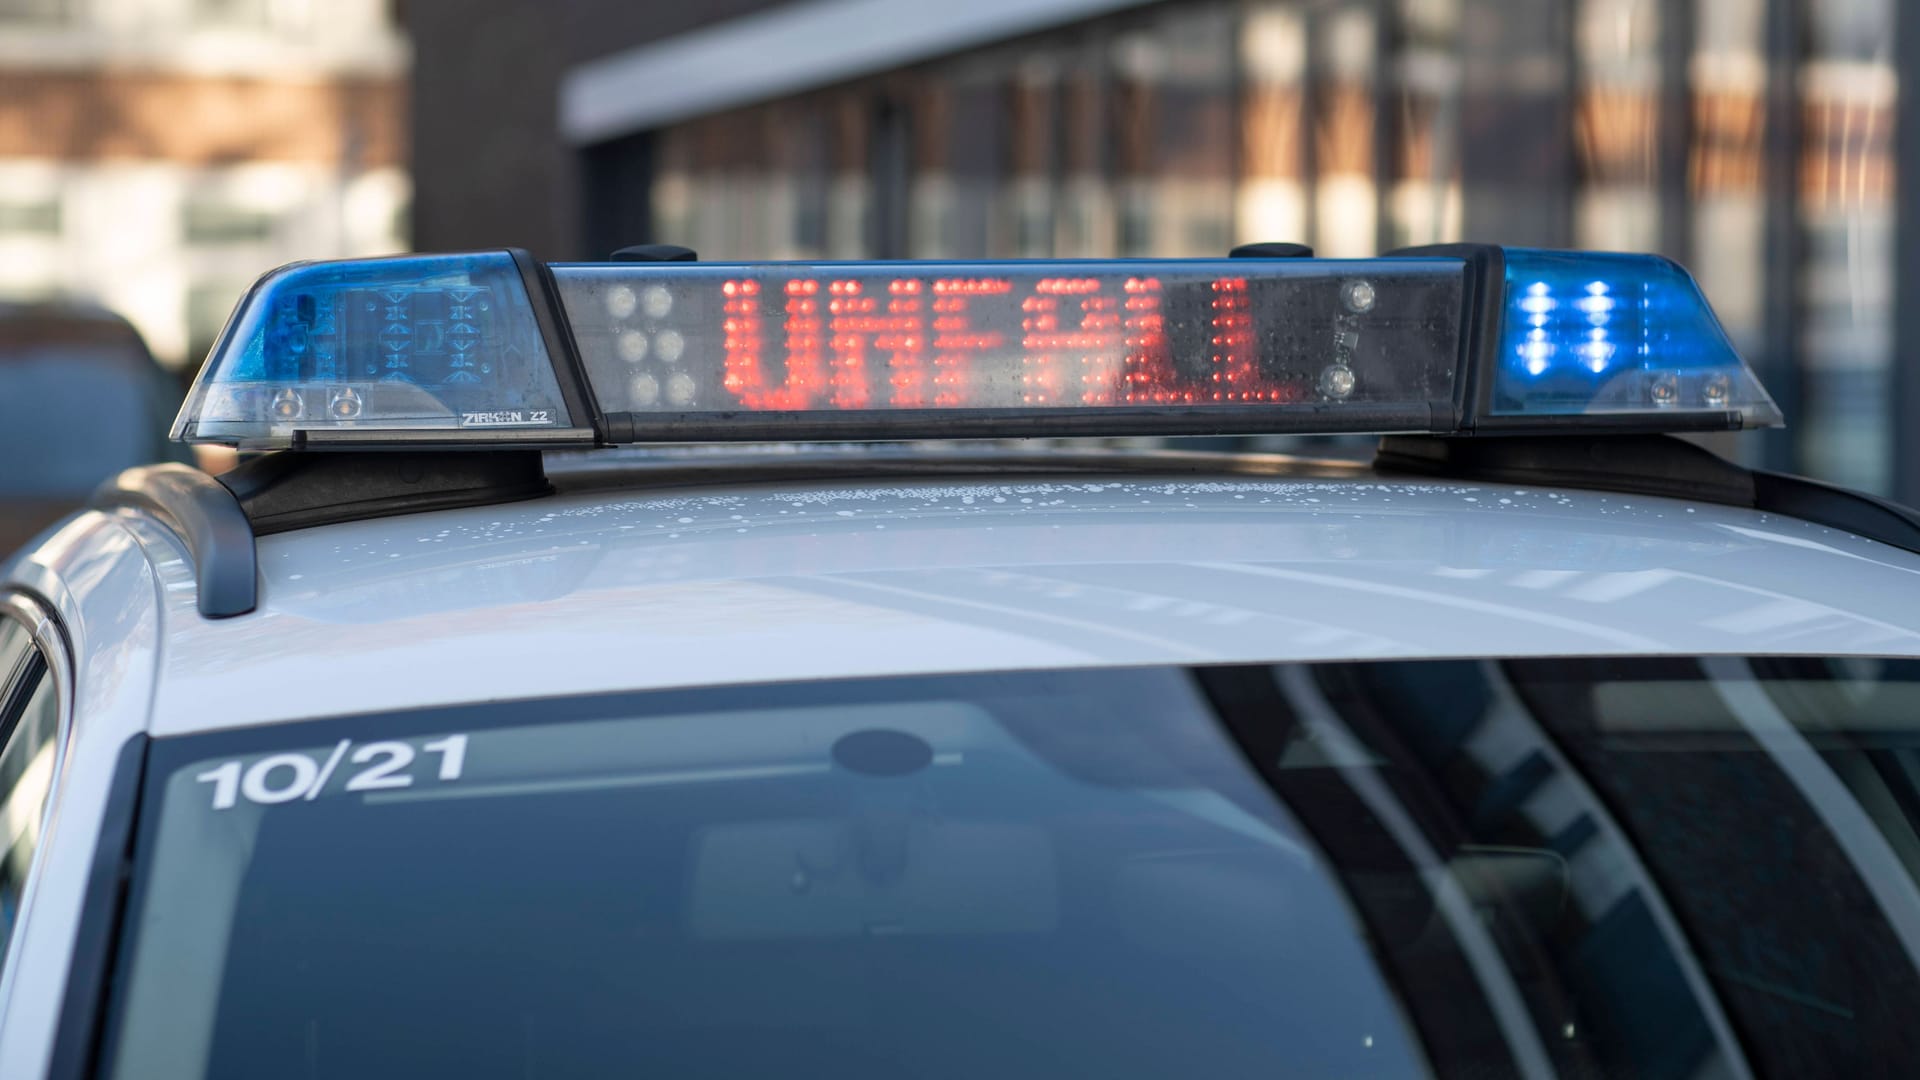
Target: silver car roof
<point>622,590</point>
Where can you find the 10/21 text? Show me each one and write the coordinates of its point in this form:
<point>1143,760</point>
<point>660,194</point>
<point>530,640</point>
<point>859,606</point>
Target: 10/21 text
<point>286,777</point>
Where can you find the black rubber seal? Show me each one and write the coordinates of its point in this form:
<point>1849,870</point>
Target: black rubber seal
<point>1630,464</point>
<point>655,253</point>
<point>76,1038</point>
<point>1659,465</point>
<point>1856,512</point>
<point>287,491</point>
<point>894,424</point>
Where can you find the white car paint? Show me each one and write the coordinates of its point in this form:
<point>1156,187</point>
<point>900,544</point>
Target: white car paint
<point>623,590</point>
<point>599,592</point>
<point>99,583</point>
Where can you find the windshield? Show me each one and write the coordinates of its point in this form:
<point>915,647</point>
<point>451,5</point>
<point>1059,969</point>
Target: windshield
<point>1622,868</point>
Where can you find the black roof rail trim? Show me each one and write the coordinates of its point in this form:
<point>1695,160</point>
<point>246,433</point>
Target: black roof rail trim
<point>1650,465</point>
<point>292,490</point>
<point>1841,508</point>
<point>77,1037</point>
<point>577,472</point>
<point>207,518</point>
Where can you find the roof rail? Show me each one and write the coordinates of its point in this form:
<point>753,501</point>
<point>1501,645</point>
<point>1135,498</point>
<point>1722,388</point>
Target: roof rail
<point>207,518</point>
<point>296,490</point>
<point>1662,465</point>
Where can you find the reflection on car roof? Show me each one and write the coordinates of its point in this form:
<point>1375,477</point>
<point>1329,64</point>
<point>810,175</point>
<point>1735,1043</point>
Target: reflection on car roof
<point>755,582</point>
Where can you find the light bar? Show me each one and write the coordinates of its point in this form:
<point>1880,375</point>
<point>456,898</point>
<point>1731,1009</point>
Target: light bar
<point>492,350</point>
<point>1589,333</point>
<point>445,346</point>
<point>1360,344</point>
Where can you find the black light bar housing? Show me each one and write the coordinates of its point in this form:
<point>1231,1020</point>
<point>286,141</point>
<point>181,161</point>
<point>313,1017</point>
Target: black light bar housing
<point>496,351</point>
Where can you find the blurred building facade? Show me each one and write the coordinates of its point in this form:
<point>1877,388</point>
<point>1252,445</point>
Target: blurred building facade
<point>157,155</point>
<point>1754,140</point>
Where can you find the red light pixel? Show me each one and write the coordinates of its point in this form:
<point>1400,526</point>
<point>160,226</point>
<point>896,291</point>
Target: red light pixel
<point>1098,343</point>
<point>954,339</point>
<point>848,330</point>
<point>1058,357</point>
<point>1236,375</point>
<point>1150,377</point>
<point>746,376</point>
<point>1039,323</point>
<point>1233,366</point>
<point>884,342</point>
<point>905,344</point>
<point>743,342</point>
<point>971,286</point>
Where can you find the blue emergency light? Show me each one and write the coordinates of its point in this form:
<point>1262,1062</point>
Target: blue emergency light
<point>496,350</point>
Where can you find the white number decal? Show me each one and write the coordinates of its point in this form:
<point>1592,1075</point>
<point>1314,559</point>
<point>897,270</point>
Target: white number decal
<point>257,784</point>
<point>226,784</point>
<point>282,778</point>
<point>453,755</point>
<point>398,754</point>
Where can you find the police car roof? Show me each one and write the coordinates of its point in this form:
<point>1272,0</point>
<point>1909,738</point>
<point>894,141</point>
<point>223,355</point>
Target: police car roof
<point>741,583</point>
<point>428,387</point>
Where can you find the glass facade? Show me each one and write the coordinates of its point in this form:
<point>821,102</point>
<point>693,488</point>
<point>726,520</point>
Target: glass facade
<point>1750,139</point>
<point>1847,87</point>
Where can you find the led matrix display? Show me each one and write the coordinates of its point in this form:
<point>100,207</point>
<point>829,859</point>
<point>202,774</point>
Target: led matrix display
<point>1012,336</point>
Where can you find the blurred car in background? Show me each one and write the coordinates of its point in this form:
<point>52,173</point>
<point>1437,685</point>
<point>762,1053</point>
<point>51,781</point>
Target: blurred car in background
<point>68,367</point>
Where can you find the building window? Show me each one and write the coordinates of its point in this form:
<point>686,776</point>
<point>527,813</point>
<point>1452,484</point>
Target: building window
<point>36,11</point>
<point>251,13</point>
<point>1849,91</point>
<point>35,217</point>
<point>214,223</point>
<point>1617,121</point>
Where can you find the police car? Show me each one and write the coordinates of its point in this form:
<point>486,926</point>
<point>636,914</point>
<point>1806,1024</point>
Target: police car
<point>625,669</point>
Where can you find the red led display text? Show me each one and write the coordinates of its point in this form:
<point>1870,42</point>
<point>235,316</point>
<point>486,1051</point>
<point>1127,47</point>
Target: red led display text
<point>913,343</point>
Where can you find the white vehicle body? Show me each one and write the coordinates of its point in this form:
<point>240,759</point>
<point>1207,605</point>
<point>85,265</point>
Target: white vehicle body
<point>634,589</point>
<point>1545,744</point>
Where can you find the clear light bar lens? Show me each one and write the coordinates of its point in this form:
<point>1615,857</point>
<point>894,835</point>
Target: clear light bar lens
<point>1588,333</point>
<point>1200,334</point>
<point>415,343</point>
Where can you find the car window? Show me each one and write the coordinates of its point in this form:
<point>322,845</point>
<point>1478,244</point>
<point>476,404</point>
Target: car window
<point>1017,877</point>
<point>1696,854</point>
<point>1630,867</point>
<point>16,649</point>
<point>29,727</point>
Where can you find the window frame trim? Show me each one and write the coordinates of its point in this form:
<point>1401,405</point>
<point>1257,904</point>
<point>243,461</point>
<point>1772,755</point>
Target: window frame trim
<point>56,653</point>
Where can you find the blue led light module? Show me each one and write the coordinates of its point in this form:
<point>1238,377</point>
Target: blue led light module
<point>1589,332</point>
<point>419,342</point>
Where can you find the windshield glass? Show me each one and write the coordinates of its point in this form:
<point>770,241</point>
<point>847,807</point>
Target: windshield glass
<point>1623,867</point>
<point>1027,876</point>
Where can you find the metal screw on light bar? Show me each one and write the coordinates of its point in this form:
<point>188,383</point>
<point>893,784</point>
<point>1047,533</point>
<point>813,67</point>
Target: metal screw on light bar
<point>1337,381</point>
<point>1359,296</point>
